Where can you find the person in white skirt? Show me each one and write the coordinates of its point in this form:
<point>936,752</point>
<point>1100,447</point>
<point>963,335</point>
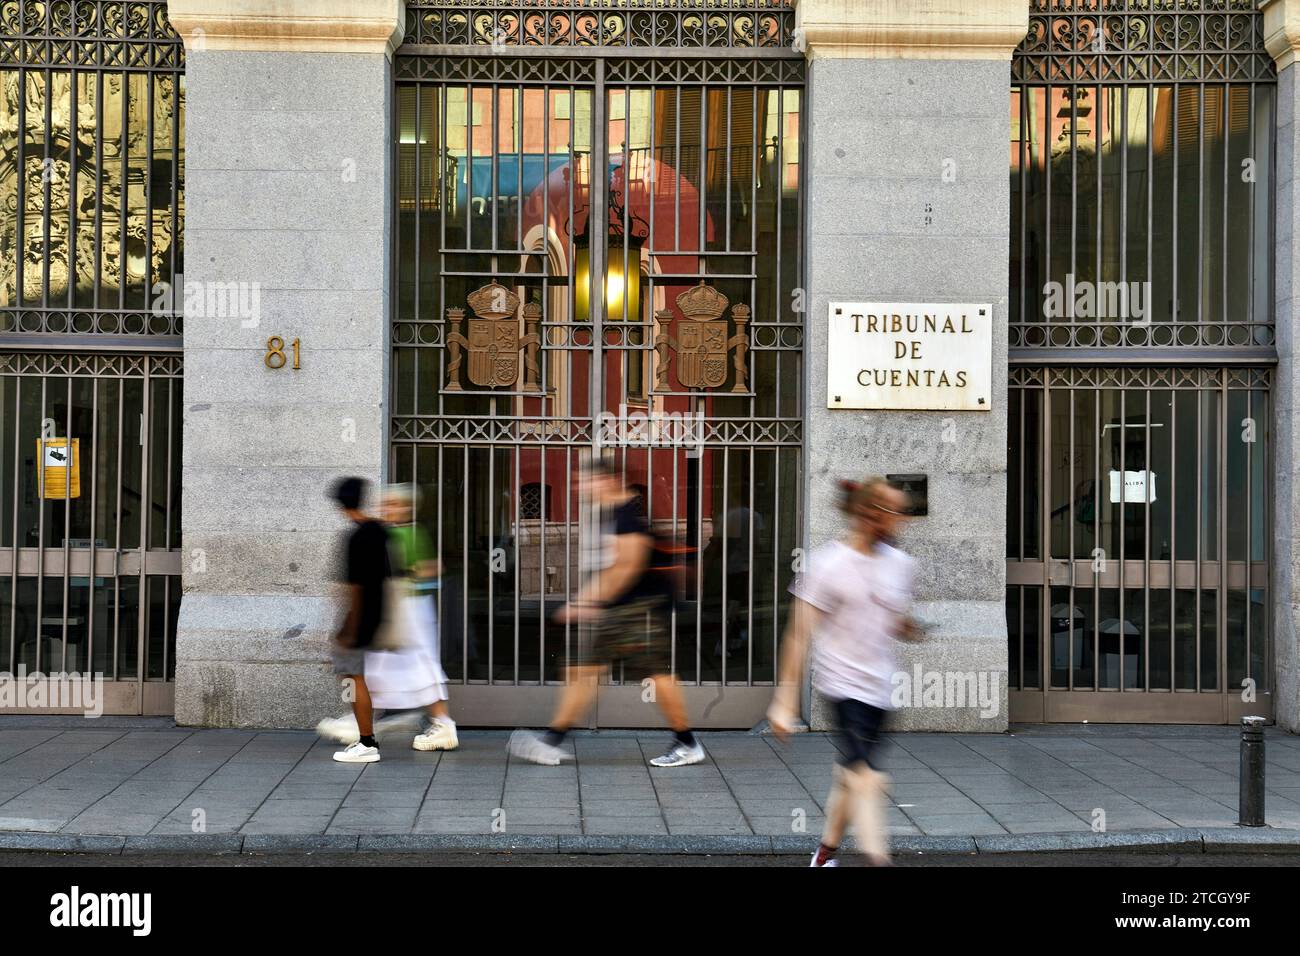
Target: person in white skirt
<point>410,680</point>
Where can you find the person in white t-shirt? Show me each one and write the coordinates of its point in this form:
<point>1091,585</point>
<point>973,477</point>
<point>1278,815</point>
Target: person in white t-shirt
<point>851,603</point>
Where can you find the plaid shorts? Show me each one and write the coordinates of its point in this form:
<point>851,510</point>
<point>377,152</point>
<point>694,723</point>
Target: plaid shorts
<point>635,634</point>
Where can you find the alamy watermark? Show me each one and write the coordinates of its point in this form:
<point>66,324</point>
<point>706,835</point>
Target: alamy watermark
<point>56,691</point>
<point>1074,299</point>
<point>948,689</point>
<point>210,300</point>
<point>77,908</point>
<point>641,429</point>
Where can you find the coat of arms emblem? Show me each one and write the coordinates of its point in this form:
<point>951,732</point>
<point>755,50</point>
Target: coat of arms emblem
<point>493,340</point>
<point>703,343</point>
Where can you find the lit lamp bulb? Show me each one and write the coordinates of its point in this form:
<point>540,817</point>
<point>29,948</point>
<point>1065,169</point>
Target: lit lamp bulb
<point>614,294</point>
<point>617,289</point>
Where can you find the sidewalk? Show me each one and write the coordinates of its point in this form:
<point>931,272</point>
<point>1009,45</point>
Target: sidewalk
<point>120,783</point>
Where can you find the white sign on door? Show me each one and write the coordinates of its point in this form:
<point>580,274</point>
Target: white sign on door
<point>910,355</point>
<point>1139,487</point>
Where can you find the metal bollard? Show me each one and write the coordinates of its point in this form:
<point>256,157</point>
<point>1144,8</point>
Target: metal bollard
<point>1250,809</point>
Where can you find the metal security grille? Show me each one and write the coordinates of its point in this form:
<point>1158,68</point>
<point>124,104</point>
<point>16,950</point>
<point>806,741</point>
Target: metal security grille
<point>91,171</point>
<point>1142,164</point>
<point>1139,540</point>
<point>1141,342</point>
<point>626,230</point>
<point>90,530</point>
<point>679,24</point>
<point>91,211</point>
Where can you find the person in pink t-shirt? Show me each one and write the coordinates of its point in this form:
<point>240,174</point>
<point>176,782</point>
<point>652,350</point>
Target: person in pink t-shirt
<point>850,605</point>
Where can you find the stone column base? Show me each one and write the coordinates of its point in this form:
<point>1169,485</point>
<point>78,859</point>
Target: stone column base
<point>255,661</point>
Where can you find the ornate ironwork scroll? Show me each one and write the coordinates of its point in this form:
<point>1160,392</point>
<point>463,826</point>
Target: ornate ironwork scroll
<point>687,24</point>
<point>1131,41</point>
<point>703,346</point>
<point>89,34</point>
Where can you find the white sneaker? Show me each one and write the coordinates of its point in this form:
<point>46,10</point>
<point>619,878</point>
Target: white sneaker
<point>358,753</point>
<point>680,755</point>
<point>402,722</point>
<point>441,735</point>
<point>529,746</point>
<point>341,729</point>
<point>831,862</point>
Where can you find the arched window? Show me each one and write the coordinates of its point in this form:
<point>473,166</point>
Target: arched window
<point>535,502</point>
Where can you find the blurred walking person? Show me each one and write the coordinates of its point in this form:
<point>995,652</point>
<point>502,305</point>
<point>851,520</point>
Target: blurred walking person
<point>418,671</point>
<point>622,612</point>
<point>851,604</point>
<point>403,670</point>
<point>365,574</point>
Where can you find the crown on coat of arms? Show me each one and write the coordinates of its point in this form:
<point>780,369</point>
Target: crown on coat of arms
<point>493,301</point>
<point>702,303</point>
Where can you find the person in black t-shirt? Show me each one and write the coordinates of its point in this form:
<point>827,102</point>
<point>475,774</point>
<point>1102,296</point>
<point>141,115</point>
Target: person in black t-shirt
<point>365,571</point>
<point>622,613</point>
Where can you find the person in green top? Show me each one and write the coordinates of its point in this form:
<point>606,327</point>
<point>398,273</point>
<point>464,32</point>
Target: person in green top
<point>415,559</point>
<point>414,556</point>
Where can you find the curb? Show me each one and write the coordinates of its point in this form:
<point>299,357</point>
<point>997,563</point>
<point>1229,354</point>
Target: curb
<point>1257,839</point>
<point>299,843</point>
<point>1191,840</point>
<point>62,842</point>
<point>1177,838</point>
<point>214,844</point>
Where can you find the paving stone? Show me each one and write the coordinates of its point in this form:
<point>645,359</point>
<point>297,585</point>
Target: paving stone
<point>126,824</point>
<point>373,820</point>
<point>470,824</point>
<point>1065,825</point>
<point>621,808</point>
<point>290,808</point>
<point>959,824</point>
<point>361,799</point>
<point>624,825</point>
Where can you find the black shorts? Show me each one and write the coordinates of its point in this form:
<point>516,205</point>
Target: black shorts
<point>860,732</point>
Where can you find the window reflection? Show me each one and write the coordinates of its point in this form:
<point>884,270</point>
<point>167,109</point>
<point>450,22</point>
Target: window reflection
<point>1162,184</point>
<point>95,222</point>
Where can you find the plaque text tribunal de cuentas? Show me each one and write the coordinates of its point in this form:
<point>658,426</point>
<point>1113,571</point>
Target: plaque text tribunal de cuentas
<point>910,355</point>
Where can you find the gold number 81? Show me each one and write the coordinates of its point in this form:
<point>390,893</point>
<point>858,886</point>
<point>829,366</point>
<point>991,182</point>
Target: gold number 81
<point>275,357</point>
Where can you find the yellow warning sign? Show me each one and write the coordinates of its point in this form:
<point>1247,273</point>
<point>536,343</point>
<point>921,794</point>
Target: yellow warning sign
<point>55,459</point>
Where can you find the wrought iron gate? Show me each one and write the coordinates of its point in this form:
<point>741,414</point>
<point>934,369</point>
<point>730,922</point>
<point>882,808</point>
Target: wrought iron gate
<point>1142,340</point>
<point>600,248</point>
<point>1139,540</point>
<point>91,212</point>
<point>90,534</point>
